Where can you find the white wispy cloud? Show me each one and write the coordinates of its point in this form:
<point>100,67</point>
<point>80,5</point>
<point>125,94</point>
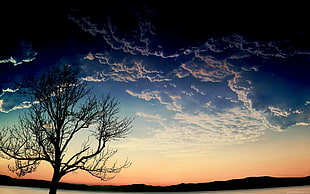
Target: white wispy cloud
<point>93,79</point>
<point>215,61</point>
<point>25,104</point>
<point>89,56</point>
<point>124,71</point>
<point>8,90</point>
<point>263,49</point>
<point>135,72</point>
<point>23,54</point>
<point>141,114</point>
<point>163,97</point>
<point>152,118</point>
<point>145,95</point>
<point>234,126</point>
<point>10,102</point>
<point>198,133</point>
<point>242,89</point>
<point>205,67</point>
<point>207,71</point>
<point>180,72</point>
<point>197,90</point>
<point>303,124</point>
<point>278,112</point>
<point>86,24</point>
<point>142,44</point>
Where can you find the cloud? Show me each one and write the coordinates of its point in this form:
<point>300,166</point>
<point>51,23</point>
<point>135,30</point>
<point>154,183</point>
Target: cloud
<point>136,41</point>
<point>234,126</point>
<point>180,72</point>
<point>127,70</point>
<point>278,112</point>
<point>302,124</point>
<point>170,101</point>
<point>239,65</point>
<point>236,67</point>
<point>169,96</point>
<point>4,91</point>
<point>242,89</point>
<point>225,60</point>
<point>208,70</point>
<point>265,49</point>
<point>218,92</point>
<point>11,101</point>
<point>23,54</point>
<point>5,109</point>
<point>145,115</point>
<point>242,65</point>
<point>264,98</point>
<point>198,133</point>
<point>86,24</point>
<point>281,98</point>
<point>197,90</point>
<point>89,56</point>
<point>94,78</point>
<point>288,117</point>
<point>145,95</point>
<point>123,72</point>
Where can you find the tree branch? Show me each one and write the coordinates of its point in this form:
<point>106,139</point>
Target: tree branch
<point>62,108</point>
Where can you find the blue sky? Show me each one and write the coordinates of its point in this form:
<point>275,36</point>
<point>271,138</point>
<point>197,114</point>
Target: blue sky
<point>193,89</point>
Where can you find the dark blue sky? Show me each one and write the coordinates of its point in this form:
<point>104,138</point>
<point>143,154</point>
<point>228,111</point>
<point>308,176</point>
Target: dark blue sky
<point>258,54</point>
<point>193,74</point>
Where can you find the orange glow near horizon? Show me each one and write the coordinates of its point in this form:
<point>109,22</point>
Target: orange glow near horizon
<point>279,158</point>
<point>297,167</point>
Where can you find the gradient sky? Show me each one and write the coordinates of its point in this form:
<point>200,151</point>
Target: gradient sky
<point>217,91</point>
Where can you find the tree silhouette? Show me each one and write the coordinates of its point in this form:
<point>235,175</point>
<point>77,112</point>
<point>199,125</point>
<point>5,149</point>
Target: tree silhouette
<point>62,108</point>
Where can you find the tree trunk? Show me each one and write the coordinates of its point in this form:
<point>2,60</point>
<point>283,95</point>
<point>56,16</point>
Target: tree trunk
<point>55,182</point>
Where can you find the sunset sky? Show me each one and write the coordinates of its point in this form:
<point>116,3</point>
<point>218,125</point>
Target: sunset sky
<point>217,91</point>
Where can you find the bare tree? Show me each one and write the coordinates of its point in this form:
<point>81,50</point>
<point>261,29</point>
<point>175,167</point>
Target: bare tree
<point>62,108</point>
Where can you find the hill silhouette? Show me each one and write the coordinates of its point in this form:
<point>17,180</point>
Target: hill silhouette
<point>245,183</point>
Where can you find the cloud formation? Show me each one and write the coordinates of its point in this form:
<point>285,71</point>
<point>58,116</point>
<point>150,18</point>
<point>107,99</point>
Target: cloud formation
<point>229,67</point>
<point>137,41</point>
<point>122,71</point>
<point>9,101</point>
<point>223,90</point>
<point>198,133</point>
<point>170,101</point>
<point>264,49</point>
<point>187,101</point>
<point>5,108</point>
<point>23,54</point>
<point>8,90</point>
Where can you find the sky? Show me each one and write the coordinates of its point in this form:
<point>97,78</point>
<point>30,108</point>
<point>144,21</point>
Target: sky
<point>218,91</point>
